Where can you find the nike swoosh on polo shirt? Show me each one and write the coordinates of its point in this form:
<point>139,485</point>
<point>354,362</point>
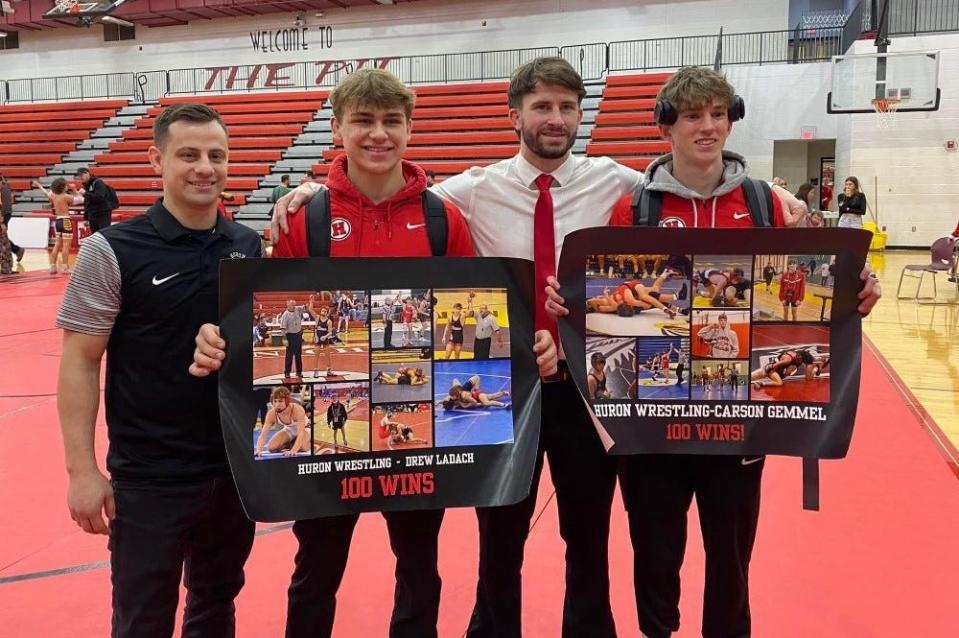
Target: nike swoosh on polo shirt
<point>157,282</point>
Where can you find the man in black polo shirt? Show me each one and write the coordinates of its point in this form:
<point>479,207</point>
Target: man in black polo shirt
<point>140,292</point>
<point>96,203</point>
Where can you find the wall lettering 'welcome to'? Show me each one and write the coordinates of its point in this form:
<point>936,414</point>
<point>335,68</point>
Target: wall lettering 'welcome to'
<point>291,39</point>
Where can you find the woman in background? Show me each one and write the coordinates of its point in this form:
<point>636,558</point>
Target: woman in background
<point>852,204</point>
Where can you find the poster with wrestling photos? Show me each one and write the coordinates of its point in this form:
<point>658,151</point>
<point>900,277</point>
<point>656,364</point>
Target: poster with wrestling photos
<point>716,341</point>
<point>355,385</point>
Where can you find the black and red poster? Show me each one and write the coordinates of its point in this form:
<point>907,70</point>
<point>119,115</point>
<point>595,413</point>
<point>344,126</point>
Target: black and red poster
<point>357,385</point>
<point>716,341</point>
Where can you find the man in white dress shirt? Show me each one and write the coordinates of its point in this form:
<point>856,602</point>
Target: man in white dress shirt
<point>498,202</point>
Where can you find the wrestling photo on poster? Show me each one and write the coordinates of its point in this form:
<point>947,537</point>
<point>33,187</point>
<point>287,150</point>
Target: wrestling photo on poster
<point>637,295</point>
<point>309,335</point>
<point>722,281</point>
<point>471,323</point>
<point>793,287</point>
<point>342,418</point>
<point>790,363</point>
<point>611,368</point>
<point>402,426</point>
<point>283,426</point>
<point>473,402</point>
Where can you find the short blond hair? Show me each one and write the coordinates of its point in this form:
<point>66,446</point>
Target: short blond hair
<point>695,87</point>
<point>376,88</point>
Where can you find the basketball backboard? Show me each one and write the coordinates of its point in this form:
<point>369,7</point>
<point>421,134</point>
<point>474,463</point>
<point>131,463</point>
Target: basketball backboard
<point>909,79</point>
<point>66,9</point>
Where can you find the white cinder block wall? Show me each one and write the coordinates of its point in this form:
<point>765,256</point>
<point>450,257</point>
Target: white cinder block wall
<point>907,174</point>
<point>417,28</point>
<point>917,178</point>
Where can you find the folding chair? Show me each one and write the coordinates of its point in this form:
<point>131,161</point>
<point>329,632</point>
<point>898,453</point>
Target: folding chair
<point>943,260</point>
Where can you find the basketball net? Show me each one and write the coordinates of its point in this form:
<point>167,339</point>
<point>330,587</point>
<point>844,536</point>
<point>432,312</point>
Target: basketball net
<point>67,6</point>
<point>885,111</point>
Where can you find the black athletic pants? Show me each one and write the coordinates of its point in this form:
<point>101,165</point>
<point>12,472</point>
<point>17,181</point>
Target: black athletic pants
<point>481,348</point>
<point>658,490</point>
<point>99,223</point>
<point>584,478</point>
<point>161,532</point>
<point>294,353</point>
<point>387,333</point>
<point>321,560</point>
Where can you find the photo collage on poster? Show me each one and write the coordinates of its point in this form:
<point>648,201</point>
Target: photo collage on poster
<point>359,371</point>
<point>708,327</point>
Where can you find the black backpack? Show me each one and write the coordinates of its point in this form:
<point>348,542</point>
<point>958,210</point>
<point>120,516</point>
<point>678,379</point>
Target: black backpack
<point>647,211</point>
<point>318,223</point>
<point>648,205</point>
<point>110,195</point>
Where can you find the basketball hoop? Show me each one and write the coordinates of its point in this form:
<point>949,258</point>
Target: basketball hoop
<point>67,6</point>
<point>885,110</point>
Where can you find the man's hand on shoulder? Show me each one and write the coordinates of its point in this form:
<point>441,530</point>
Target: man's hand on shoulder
<point>794,211</point>
<point>289,204</point>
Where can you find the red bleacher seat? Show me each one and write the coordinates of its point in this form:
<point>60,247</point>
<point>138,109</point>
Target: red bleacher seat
<point>471,137</point>
<point>35,137</point>
<point>624,128</point>
<point>462,89</point>
<point>236,131</point>
<point>143,169</point>
<point>42,125</point>
<point>141,145</point>
<point>615,92</point>
<point>434,112</point>
<point>613,106</point>
<point>261,127</point>
<point>638,80</point>
<point>247,98</point>
<point>466,124</point>
<point>626,133</point>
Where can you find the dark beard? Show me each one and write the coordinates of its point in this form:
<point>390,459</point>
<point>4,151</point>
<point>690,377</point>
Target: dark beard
<point>532,143</point>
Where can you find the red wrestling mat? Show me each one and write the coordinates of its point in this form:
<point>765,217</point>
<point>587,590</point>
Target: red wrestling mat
<point>879,561</point>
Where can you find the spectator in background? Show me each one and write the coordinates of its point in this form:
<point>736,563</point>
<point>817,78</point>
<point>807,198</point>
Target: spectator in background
<point>6,206</point>
<point>825,195</point>
<point>807,195</point>
<point>96,205</point>
<point>430,178</point>
<point>61,201</point>
<point>282,189</point>
<point>780,182</point>
<point>852,204</point>
<point>307,177</point>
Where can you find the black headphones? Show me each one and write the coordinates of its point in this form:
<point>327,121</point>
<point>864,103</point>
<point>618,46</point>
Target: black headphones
<point>665,113</point>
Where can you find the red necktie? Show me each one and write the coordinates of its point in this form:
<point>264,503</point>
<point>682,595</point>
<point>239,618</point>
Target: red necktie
<point>544,253</point>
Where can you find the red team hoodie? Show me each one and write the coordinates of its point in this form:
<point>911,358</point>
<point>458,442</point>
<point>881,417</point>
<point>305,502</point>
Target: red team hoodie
<point>685,208</point>
<point>395,227</point>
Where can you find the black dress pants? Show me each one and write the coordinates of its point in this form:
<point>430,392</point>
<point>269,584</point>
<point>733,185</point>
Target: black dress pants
<point>584,478</point>
<point>658,490</point>
<point>163,532</point>
<point>294,354</point>
<point>321,560</point>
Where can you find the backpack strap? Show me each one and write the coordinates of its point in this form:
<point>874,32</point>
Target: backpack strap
<point>759,201</point>
<point>647,207</point>
<point>318,224</point>
<point>437,226</point>
<point>810,484</point>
